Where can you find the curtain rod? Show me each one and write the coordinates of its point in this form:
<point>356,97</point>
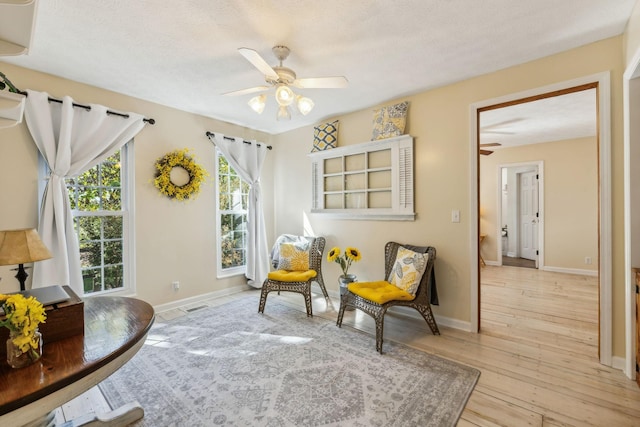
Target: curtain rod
<point>88,108</point>
<point>231,138</point>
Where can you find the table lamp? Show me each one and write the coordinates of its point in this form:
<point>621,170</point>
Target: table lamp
<point>20,247</point>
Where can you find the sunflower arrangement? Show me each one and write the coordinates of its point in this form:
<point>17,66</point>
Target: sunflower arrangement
<point>350,255</point>
<point>22,317</point>
<point>179,158</point>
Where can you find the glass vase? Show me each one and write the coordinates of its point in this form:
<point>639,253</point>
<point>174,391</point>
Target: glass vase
<point>344,281</point>
<point>18,359</point>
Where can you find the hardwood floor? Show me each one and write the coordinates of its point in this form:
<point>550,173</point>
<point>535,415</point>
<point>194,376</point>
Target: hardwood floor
<point>537,351</point>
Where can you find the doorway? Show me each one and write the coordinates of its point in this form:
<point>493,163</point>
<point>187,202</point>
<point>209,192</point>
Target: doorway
<point>521,216</point>
<point>602,259</point>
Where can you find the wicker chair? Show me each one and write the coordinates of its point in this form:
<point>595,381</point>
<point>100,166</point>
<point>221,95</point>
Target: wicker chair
<point>297,281</point>
<point>426,291</point>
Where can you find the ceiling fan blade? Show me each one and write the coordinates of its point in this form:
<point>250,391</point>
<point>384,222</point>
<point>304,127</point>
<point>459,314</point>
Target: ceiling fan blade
<point>497,132</point>
<point>486,152</point>
<point>246,91</point>
<point>258,62</point>
<point>502,123</point>
<point>322,82</point>
<point>491,144</point>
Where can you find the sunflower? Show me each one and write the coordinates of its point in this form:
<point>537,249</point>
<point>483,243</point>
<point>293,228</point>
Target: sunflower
<point>350,255</point>
<point>333,255</point>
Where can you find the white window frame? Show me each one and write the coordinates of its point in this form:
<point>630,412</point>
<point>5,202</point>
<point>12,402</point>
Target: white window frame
<point>233,271</point>
<point>402,186</point>
<point>127,162</point>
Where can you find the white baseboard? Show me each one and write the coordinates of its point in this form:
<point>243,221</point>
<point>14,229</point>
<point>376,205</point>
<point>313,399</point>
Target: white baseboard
<point>440,320</point>
<point>493,263</point>
<point>618,363</point>
<point>579,271</point>
<point>512,254</point>
<point>191,300</point>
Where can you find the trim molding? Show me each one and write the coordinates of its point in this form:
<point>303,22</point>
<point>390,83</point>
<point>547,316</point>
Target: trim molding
<point>199,298</point>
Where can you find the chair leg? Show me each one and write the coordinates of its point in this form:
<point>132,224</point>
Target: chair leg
<point>379,332</point>
<point>263,298</point>
<point>427,314</point>
<point>320,282</point>
<point>307,302</point>
<point>343,305</point>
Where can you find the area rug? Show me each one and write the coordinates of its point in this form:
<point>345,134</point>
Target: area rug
<point>231,366</point>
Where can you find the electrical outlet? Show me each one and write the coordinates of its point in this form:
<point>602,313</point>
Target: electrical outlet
<point>587,260</point>
<point>176,285</point>
<point>455,215</point>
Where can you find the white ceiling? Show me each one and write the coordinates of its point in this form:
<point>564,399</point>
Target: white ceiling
<point>184,54</point>
<point>568,116</point>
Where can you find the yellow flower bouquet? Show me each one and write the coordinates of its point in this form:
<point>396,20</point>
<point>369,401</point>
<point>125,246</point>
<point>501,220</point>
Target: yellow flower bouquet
<point>22,318</point>
<point>350,255</point>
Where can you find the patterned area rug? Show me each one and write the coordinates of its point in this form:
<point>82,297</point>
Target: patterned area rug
<point>231,366</point>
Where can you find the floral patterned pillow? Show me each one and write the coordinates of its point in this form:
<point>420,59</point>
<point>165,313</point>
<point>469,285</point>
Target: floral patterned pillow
<point>294,257</point>
<point>408,270</point>
<point>390,121</point>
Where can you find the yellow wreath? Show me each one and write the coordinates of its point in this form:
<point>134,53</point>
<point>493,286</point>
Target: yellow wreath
<point>179,158</point>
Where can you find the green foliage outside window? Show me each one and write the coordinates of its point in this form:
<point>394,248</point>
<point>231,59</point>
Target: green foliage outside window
<point>96,199</point>
<point>232,206</point>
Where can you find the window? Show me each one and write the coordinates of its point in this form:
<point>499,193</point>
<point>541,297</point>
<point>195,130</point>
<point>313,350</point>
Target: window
<point>232,196</point>
<point>372,180</point>
<point>102,221</point>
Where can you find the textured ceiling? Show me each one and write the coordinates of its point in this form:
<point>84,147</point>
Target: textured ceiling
<point>184,53</point>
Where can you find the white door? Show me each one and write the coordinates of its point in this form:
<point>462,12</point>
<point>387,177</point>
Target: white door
<point>528,184</point>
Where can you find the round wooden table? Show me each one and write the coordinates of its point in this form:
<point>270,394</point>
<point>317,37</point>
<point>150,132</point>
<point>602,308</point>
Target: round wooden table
<point>114,330</point>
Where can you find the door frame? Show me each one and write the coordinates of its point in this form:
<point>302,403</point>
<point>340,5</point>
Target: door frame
<point>603,82</point>
<point>539,165</point>
<point>631,110</point>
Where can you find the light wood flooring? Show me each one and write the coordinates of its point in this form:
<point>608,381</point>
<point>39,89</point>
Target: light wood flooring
<point>537,352</point>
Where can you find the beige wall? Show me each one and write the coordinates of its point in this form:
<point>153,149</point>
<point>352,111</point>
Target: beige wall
<point>174,240</point>
<point>632,34</point>
<point>439,121</point>
<point>570,200</point>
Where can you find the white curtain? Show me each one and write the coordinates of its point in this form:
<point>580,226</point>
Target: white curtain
<point>71,140</point>
<point>247,161</point>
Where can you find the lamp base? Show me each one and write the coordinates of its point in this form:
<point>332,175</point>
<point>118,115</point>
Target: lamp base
<point>21,275</point>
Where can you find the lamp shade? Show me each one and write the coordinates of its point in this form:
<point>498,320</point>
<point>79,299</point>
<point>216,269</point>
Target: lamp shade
<point>21,247</point>
<point>257,103</point>
<point>284,95</point>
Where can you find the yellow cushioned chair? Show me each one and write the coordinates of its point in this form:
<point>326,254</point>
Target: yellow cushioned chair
<point>296,280</point>
<point>375,298</point>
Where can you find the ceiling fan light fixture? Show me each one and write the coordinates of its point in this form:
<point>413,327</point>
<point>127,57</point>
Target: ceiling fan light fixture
<point>283,113</point>
<point>257,103</point>
<point>284,95</point>
<point>305,105</point>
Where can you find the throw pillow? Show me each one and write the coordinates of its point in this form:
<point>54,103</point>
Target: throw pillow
<point>325,136</point>
<point>408,269</point>
<point>390,121</point>
<point>294,257</point>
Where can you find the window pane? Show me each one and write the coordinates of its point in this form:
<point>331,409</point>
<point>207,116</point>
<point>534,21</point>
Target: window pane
<point>88,199</point>
<point>113,277</point>
<point>92,280</point>
<point>89,178</point>
<point>113,252</point>
<point>90,254</point>
<point>112,227</point>
<point>111,199</point>
<point>88,228</point>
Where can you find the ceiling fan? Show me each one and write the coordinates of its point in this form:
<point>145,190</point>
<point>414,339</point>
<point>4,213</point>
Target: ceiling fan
<point>282,78</point>
<point>488,152</point>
